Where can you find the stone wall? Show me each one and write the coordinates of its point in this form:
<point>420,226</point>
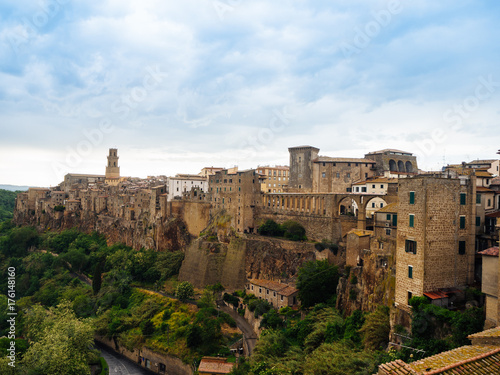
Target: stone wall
<point>174,366</point>
<point>196,215</point>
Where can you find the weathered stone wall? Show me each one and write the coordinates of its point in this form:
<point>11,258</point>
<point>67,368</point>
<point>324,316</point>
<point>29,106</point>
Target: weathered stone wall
<point>196,215</point>
<point>174,366</point>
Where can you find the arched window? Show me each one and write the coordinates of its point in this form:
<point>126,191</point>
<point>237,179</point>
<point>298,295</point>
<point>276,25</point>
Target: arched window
<point>393,166</point>
<point>401,166</point>
<point>409,167</point>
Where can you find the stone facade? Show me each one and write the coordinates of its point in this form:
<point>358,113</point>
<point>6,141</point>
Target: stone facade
<point>396,162</point>
<point>301,168</point>
<point>435,244</point>
<point>273,179</point>
<point>278,294</point>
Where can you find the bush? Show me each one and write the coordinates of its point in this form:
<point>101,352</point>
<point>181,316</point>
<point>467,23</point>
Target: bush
<point>233,300</point>
<point>293,231</point>
<point>184,291</point>
<point>270,228</point>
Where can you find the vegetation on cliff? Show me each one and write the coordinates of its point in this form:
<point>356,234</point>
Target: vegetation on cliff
<point>289,229</point>
<point>7,203</point>
<point>125,307</point>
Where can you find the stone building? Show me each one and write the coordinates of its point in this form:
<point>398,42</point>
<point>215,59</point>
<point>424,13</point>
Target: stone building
<point>112,169</point>
<point>435,243</point>
<point>81,181</point>
<point>274,179</point>
<point>301,168</point>
<point>278,294</point>
<point>237,193</point>
<point>490,286</point>
<point>393,162</point>
<point>373,186</point>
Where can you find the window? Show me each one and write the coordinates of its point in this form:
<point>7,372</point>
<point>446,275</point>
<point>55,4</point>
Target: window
<point>412,221</point>
<point>394,220</point>
<point>381,205</point>
<point>381,186</point>
<point>489,202</point>
<point>349,190</point>
<point>267,291</point>
<point>373,186</point>
<point>411,246</point>
<point>462,222</point>
<point>373,204</point>
<point>388,217</point>
<point>478,221</point>
<point>410,272</point>
<point>348,175</point>
<point>281,297</point>
<point>409,296</point>
<point>463,198</point>
<point>324,164</point>
<point>348,164</point>
<point>388,231</point>
<point>412,197</point>
<point>274,294</point>
<point>337,175</point>
<point>363,189</point>
<point>380,245</point>
<point>323,174</point>
<point>461,247</point>
<point>478,199</point>
<point>260,290</point>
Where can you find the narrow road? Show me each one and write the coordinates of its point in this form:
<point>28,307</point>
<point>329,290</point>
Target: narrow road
<point>249,336</point>
<point>119,365</point>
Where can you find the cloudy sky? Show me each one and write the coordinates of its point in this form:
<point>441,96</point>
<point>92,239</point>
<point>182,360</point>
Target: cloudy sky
<point>177,86</point>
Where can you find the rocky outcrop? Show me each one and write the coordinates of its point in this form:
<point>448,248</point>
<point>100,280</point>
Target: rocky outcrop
<point>170,234</point>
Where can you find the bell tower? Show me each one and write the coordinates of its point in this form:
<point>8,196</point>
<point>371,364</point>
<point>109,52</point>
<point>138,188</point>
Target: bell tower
<point>113,170</point>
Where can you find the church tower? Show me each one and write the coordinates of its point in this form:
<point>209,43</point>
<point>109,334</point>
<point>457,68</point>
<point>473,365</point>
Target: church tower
<point>113,170</point>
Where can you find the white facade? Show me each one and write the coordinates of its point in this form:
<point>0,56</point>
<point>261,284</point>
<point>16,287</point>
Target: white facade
<point>184,183</point>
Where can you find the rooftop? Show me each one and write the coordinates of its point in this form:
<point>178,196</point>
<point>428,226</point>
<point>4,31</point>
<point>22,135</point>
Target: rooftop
<point>327,159</point>
<point>390,150</point>
<point>390,208</point>
<point>492,251</point>
<point>211,365</point>
<point>281,288</point>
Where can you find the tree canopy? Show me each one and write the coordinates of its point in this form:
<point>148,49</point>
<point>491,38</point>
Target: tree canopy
<point>317,282</point>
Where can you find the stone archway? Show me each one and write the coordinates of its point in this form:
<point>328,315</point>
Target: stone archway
<point>401,166</point>
<point>348,207</point>
<point>409,167</point>
<point>393,167</point>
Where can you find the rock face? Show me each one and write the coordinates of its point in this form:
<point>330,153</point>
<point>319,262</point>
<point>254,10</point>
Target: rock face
<point>238,258</point>
<point>170,234</point>
<point>366,287</point>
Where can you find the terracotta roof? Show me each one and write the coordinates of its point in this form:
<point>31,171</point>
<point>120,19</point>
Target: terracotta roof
<point>436,294</point>
<point>398,367</point>
<point>209,365</point>
<point>361,233</point>
<point>390,208</point>
<point>493,214</point>
<point>484,189</point>
<point>484,161</point>
<point>280,288</point>
<point>470,360</point>
<point>492,332</point>
<point>483,174</point>
<point>327,159</point>
<point>492,251</point>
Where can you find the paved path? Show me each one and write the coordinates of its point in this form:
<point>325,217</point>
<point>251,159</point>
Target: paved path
<point>250,336</point>
<point>119,365</point>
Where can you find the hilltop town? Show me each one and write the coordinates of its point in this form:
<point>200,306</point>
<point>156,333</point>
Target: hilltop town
<point>401,231</point>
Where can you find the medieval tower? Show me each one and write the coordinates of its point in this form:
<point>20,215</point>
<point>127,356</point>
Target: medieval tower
<point>112,170</point>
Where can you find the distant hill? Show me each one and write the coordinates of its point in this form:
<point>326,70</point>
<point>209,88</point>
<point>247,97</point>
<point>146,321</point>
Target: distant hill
<point>7,202</point>
<point>14,187</point>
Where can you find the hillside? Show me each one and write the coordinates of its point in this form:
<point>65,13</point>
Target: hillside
<point>14,187</point>
<point>7,202</point>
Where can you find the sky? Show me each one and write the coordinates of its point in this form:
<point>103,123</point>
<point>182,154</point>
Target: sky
<point>178,86</point>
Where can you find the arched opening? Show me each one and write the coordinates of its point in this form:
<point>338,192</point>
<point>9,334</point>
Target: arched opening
<point>393,166</point>
<point>348,207</point>
<point>401,166</point>
<point>409,167</point>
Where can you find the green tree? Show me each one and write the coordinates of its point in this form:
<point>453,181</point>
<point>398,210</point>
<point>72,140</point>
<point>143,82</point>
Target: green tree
<point>375,330</point>
<point>293,231</point>
<point>270,228</point>
<point>62,343</point>
<point>184,291</point>
<point>317,282</point>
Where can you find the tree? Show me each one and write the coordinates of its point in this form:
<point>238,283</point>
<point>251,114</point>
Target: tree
<point>62,343</point>
<point>293,231</point>
<point>184,291</point>
<point>270,228</point>
<point>147,327</point>
<point>375,330</point>
<point>317,282</point>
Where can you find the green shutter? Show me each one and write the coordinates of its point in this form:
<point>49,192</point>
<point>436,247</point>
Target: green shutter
<point>389,217</point>
<point>412,221</point>
<point>478,198</point>
<point>462,222</point>
<point>412,197</point>
<point>478,221</point>
<point>410,272</point>
<point>463,198</point>
<point>395,220</point>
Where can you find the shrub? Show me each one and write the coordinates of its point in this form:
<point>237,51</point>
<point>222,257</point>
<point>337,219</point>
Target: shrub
<point>293,231</point>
